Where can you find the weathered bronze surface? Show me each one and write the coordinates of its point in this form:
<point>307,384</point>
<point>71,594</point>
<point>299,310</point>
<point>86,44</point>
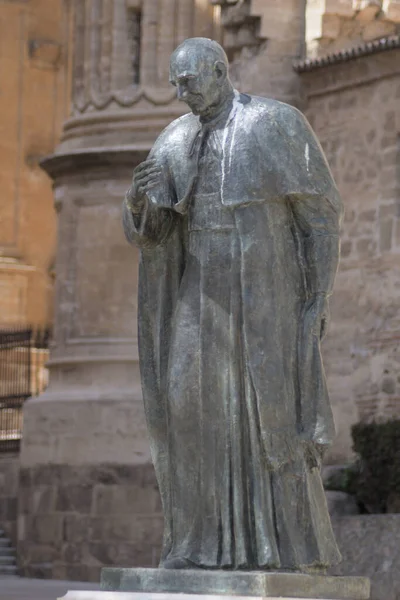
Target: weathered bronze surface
<point>237,218</point>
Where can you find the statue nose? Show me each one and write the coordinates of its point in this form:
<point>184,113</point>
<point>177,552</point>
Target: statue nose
<point>182,93</point>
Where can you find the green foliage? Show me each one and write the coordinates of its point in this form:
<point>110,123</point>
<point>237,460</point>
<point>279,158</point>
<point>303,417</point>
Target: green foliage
<point>374,479</point>
<point>378,480</point>
<point>343,480</point>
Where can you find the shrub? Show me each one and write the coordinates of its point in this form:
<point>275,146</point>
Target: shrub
<point>377,478</point>
<point>374,479</point>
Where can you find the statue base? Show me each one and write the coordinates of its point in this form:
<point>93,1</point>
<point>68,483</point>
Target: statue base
<point>165,584</point>
<point>265,584</point>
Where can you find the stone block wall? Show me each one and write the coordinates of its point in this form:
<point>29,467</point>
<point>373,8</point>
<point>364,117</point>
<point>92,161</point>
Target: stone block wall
<point>354,108</point>
<point>370,547</point>
<point>9,475</point>
<point>73,520</point>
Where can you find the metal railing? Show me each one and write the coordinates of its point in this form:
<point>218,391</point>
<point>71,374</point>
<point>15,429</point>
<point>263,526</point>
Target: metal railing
<point>23,373</point>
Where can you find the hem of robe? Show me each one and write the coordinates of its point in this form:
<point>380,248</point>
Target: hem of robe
<point>319,553</point>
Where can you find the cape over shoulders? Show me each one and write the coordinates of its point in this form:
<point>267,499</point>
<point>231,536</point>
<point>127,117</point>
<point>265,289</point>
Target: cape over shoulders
<point>276,114</point>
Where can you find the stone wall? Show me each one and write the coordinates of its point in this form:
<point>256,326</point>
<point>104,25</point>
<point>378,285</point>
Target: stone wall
<point>34,102</point>
<point>75,520</point>
<point>9,475</point>
<point>370,546</point>
<point>354,108</point>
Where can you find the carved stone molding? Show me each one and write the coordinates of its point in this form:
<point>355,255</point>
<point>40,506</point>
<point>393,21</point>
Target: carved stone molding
<point>122,49</point>
<point>136,126</point>
<point>124,98</point>
<point>370,49</point>
<point>60,165</point>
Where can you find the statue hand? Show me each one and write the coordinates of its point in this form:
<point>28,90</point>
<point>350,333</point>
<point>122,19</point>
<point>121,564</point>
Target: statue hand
<point>316,314</point>
<point>145,176</point>
<point>313,453</point>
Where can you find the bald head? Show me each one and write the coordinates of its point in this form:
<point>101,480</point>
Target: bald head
<point>200,53</point>
<point>199,70</point>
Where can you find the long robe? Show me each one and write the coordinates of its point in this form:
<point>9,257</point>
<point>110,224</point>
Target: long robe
<point>234,454</point>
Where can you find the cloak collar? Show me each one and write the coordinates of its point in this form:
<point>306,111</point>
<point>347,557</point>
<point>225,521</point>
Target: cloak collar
<point>228,113</point>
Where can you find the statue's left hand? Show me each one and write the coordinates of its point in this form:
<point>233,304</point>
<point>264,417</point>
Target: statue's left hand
<point>316,314</point>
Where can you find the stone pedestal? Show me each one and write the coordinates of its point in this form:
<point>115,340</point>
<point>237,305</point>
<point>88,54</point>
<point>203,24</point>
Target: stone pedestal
<point>266,584</point>
<point>150,596</point>
<point>162,584</point>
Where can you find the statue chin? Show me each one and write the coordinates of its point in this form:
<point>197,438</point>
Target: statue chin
<point>195,110</point>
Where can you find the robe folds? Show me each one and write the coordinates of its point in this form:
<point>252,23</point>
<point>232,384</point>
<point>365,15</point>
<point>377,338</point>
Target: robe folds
<point>274,182</point>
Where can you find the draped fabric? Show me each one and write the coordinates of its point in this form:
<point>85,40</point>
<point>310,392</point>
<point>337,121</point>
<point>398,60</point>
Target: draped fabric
<point>232,376</point>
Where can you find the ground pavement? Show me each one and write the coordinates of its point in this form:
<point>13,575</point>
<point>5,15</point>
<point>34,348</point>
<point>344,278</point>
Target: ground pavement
<point>19,588</point>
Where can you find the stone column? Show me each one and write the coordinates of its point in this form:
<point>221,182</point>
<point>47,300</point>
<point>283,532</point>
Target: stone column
<point>88,492</point>
<point>120,70</point>
<point>148,65</point>
<point>166,41</point>
<point>185,20</point>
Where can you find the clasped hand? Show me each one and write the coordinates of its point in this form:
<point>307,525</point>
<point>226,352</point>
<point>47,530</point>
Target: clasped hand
<point>146,176</point>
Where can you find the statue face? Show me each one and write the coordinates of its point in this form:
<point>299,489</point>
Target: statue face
<point>198,80</point>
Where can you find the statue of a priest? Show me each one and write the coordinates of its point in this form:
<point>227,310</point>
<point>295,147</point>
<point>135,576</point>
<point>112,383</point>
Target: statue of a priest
<point>237,218</point>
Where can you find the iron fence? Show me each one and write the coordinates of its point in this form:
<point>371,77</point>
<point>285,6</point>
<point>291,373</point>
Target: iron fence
<point>23,373</point>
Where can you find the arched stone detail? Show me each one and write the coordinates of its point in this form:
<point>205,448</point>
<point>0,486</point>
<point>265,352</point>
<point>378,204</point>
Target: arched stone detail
<point>122,48</point>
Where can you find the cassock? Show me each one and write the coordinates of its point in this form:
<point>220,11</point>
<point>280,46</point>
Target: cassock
<point>240,233</point>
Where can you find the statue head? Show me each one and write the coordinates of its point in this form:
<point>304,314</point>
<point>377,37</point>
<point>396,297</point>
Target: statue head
<point>199,70</point>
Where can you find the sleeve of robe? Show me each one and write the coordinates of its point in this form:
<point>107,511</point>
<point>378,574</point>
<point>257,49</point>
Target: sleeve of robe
<point>314,200</point>
<point>159,233</point>
<point>148,228</point>
<point>154,223</point>
<point>317,224</point>
<point>317,213</point>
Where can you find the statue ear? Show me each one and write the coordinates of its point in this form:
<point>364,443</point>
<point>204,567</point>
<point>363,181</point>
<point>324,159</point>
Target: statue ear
<point>220,70</point>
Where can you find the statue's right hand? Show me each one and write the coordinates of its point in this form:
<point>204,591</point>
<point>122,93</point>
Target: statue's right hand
<point>145,176</point>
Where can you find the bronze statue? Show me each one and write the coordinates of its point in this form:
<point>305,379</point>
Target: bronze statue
<point>237,218</point>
